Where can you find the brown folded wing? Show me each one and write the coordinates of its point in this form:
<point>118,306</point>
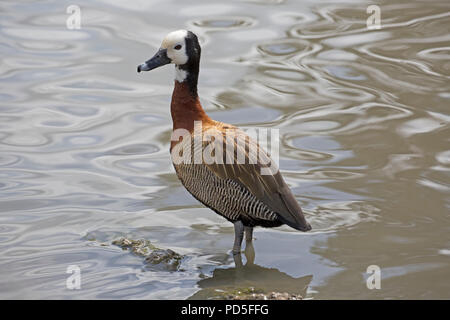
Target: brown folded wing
<point>271,189</point>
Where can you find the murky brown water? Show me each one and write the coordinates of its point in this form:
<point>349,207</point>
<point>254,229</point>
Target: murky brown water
<point>363,116</point>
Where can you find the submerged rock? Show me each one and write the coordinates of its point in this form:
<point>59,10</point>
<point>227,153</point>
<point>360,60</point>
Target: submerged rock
<point>155,258</point>
<point>267,296</point>
<point>140,248</point>
<point>251,282</point>
<point>254,294</point>
<point>169,258</point>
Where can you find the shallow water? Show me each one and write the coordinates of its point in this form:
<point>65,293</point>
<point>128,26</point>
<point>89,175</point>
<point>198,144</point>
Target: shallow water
<point>363,118</point>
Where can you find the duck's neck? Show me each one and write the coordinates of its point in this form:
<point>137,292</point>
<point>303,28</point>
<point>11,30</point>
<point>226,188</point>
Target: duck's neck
<point>185,107</point>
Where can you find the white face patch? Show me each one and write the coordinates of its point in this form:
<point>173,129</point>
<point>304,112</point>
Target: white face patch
<point>175,44</point>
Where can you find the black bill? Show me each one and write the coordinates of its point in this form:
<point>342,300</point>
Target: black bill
<point>158,60</point>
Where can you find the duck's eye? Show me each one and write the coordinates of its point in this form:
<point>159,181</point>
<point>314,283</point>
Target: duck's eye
<point>177,47</point>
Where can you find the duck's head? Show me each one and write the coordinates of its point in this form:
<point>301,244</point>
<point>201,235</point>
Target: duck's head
<point>180,48</point>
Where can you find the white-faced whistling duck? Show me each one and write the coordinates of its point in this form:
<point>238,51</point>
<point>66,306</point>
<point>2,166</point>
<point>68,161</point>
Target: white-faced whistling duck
<point>237,190</point>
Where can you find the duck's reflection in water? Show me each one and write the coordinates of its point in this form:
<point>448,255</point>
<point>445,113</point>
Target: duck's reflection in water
<point>231,281</point>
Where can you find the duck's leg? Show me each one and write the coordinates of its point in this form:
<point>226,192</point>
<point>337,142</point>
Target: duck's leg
<point>249,253</point>
<point>248,234</point>
<point>238,236</point>
<point>249,249</point>
<point>238,260</point>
